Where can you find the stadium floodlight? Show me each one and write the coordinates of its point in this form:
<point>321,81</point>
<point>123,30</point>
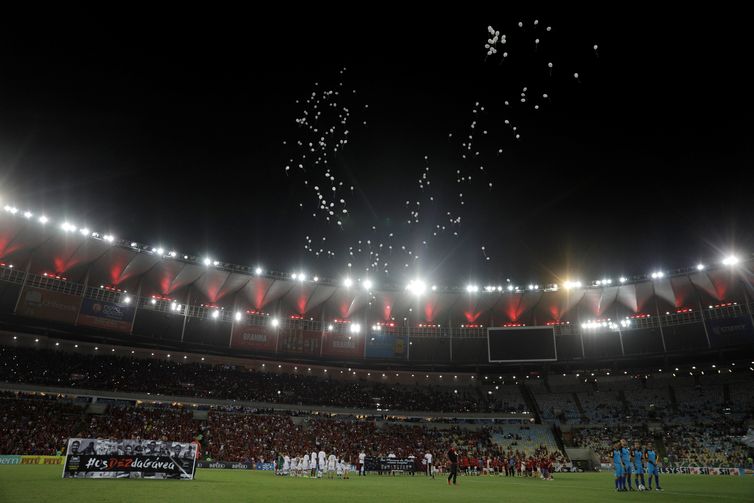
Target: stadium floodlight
<point>238,315</point>
<point>348,282</point>
<point>416,286</point>
<point>28,214</point>
<point>43,220</point>
<point>275,322</point>
<point>730,260</point>
<point>355,328</point>
<point>258,271</point>
<point>207,261</point>
<point>699,267</point>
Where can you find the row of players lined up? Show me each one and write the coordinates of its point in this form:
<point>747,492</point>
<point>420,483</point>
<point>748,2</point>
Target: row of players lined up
<point>316,465</point>
<point>628,461</point>
<point>513,464</point>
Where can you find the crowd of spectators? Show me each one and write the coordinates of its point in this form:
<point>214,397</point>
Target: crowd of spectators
<point>706,444</point>
<point>40,426</point>
<point>157,376</point>
<point>33,424</point>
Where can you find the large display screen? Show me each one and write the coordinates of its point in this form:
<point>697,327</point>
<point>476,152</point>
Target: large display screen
<point>521,344</point>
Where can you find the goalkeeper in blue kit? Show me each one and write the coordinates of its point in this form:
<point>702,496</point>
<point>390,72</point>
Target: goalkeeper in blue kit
<point>652,469</point>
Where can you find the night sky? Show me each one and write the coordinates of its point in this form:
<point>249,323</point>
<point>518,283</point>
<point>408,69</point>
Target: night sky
<point>171,132</point>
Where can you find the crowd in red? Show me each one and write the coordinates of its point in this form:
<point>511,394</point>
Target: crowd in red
<point>35,425</point>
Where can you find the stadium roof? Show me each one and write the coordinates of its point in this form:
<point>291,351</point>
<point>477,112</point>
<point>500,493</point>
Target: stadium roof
<point>96,261</point>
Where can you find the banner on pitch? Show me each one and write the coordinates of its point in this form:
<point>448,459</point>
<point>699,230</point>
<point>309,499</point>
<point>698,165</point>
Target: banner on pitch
<point>129,459</point>
<point>373,464</point>
<point>701,470</point>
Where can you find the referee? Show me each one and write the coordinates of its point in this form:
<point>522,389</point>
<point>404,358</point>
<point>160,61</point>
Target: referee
<point>453,458</point>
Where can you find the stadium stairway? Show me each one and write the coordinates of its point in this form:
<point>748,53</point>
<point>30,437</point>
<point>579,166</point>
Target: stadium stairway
<point>659,441</point>
<point>626,407</point>
<point>673,400</point>
<point>531,402</point>
<point>558,435</point>
<point>578,405</point>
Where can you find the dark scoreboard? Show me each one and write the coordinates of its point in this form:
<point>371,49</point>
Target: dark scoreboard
<point>521,344</point>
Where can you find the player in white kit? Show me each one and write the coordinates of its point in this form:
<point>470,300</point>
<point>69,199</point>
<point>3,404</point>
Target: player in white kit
<point>332,463</point>
<point>305,464</point>
<point>322,465</point>
<point>362,457</point>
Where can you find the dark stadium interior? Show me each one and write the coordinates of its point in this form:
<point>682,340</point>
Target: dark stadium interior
<point>252,249</point>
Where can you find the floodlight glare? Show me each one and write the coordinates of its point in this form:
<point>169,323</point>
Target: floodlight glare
<point>730,260</point>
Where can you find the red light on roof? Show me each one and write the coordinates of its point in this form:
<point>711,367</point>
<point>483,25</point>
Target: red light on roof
<point>296,317</point>
<point>509,325</point>
<point>472,325</point>
<point>684,310</point>
<point>54,276</point>
<point>728,304</point>
<point>638,316</point>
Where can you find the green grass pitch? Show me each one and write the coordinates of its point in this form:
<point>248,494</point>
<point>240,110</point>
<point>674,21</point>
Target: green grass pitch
<point>43,484</point>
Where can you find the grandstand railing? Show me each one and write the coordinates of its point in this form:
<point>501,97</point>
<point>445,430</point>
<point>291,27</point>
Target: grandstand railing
<point>201,311</point>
